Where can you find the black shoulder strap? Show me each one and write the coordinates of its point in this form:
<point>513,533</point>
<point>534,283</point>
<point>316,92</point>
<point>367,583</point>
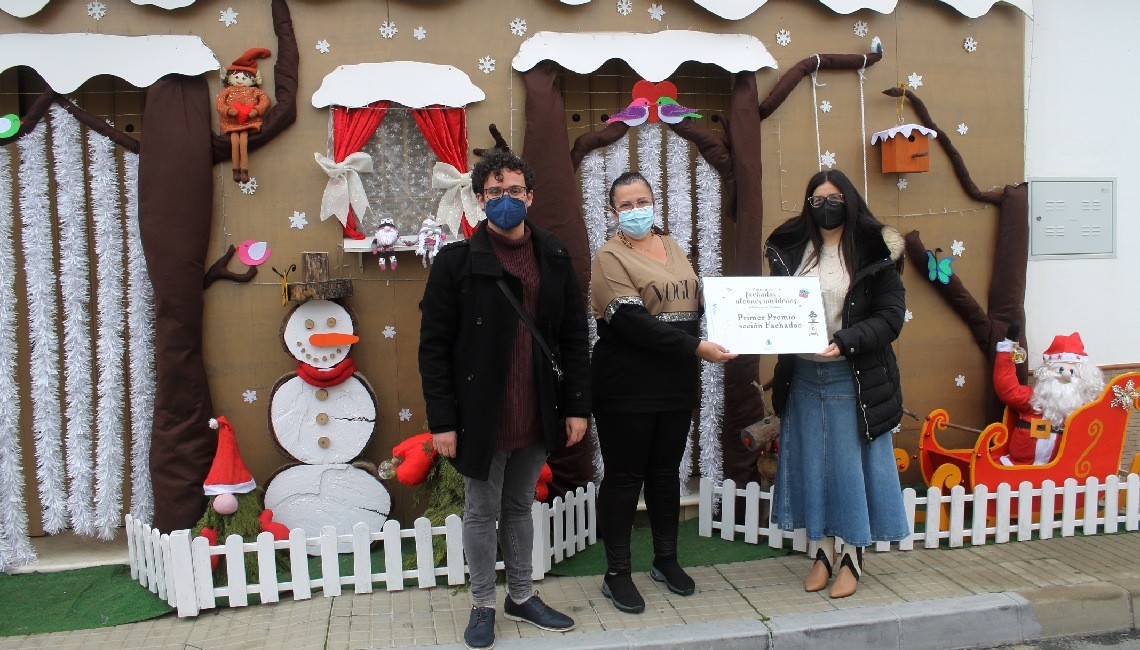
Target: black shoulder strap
<point>529,325</point>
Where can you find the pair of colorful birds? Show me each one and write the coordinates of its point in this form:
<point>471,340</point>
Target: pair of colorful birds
<point>668,111</point>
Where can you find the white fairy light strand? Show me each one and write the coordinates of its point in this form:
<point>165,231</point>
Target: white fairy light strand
<point>863,127</point>
<point>815,111</point>
<point>104,183</point>
<point>15,547</point>
<point>617,163</point>
<point>679,179</point>
<point>75,289</point>
<point>712,375</point>
<point>36,238</point>
<point>140,347</point>
<point>594,200</point>
<point>649,163</point>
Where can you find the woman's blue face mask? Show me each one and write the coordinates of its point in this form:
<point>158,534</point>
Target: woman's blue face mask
<point>636,222</point>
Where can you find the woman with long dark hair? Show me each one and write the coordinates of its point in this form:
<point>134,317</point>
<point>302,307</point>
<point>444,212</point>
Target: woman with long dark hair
<point>836,473</point>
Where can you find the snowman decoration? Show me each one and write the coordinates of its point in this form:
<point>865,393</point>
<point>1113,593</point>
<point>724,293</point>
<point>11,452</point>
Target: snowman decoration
<point>323,415</point>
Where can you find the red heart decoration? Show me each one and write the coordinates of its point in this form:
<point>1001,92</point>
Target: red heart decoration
<point>652,92</point>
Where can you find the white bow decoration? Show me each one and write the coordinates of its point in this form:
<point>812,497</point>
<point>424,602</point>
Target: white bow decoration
<point>458,198</point>
<point>345,187</point>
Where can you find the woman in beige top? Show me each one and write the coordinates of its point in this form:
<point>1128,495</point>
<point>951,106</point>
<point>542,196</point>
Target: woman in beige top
<point>646,299</point>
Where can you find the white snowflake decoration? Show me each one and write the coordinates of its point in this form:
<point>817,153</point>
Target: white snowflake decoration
<point>487,65</point>
<point>419,33</point>
<point>518,26</point>
<point>405,414</point>
<point>388,29</point>
<point>228,16</point>
<point>963,129</point>
<point>783,37</point>
<point>825,106</point>
<point>323,46</point>
<point>625,7</point>
<point>908,316</point>
<point>960,381</point>
<point>389,332</point>
<point>901,184</point>
<point>299,220</point>
<point>250,396</point>
<point>96,9</point>
<point>914,80</point>
<point>827,159</point>
<point>1126,397</point>
<point>957,248</point>
<point>248,187</point>
<point>861,29</point>
<point>656,12</point>
<point>970,44</point>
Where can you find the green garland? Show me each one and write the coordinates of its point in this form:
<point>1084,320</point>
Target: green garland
<point>443,489</point>
<point>244,522</point>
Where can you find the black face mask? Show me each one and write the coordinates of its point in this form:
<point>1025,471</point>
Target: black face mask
<point>828,216</point>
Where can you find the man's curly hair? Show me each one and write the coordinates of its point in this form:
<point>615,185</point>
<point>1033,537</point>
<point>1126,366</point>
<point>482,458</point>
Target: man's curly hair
<point>494,163</point>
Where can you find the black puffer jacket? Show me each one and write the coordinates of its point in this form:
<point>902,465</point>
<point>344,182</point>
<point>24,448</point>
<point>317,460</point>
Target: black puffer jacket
<point>872,319</point>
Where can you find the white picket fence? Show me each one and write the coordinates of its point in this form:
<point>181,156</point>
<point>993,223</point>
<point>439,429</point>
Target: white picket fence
<point>177,568</point>
<point>1097,506</point>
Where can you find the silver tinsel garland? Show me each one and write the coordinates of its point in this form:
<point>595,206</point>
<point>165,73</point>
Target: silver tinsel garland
<point>649,164</point>
<point>39,271</point>
<point>75,289</point>
<point>15,547</point>
<point>617,163</point>
<point>679,178</point>
<point>594,200</point>
<point>104,184</point>
<point>140,347</point>
<point>712,374</point>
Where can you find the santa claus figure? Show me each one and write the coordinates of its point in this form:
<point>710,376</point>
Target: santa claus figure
<point>1064,383</point>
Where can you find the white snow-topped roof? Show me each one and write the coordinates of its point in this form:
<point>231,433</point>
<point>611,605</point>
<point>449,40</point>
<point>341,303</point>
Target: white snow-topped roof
<point>905,130</point>
<point>65,61</point>
<point>410,83</point>
<point>653,56</point>
<point>22,8</point>
<point>737,9</point>
<point>165,4</point>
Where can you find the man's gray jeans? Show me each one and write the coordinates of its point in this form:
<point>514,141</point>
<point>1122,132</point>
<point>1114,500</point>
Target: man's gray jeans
<point>505,497</point>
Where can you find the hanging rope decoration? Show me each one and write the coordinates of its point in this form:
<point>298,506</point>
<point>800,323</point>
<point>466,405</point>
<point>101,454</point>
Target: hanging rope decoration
<point>104,184</point>
<point>140,348</point>
<point>15,547</point>
<point>679,178</point>
<point>712,375</point>
<point>815,110</point>
<point>863,127</point>
<point>617,162</point>
<point>649,163</point>
<point>75,289</point>
<point>43,362</point>
<point>594,200</point>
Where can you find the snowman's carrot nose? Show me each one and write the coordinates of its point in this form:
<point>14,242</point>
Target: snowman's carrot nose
<point>332,339</point>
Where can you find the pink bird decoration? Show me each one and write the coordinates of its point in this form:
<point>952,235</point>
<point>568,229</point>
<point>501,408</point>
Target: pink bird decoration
<point>252,253</point>
<point>633,115</point>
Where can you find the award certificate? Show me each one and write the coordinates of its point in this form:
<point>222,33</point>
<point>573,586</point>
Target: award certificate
<point>765,315</point>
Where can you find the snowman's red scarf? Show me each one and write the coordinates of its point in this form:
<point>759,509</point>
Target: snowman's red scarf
<point>325,378</point>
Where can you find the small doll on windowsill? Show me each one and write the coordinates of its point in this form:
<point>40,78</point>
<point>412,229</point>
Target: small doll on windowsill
<point>241,105</point>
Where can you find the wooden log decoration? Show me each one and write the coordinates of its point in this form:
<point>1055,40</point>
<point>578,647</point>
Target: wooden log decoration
<point>311,497</point>
<point>322,425</point>
<point>315,283</point>
<point>303,329</point>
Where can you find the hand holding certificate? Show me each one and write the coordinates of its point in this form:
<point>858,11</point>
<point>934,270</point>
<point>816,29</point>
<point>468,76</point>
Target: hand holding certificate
<point>766,315</point>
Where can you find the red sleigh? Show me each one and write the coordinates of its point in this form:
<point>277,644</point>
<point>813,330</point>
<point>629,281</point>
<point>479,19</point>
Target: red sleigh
<point>1091,445</point>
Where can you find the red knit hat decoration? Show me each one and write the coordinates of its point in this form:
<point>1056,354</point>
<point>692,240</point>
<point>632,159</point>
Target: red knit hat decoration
<point>228,474</point>
<point>1066,349</point>
<point>248,62</point>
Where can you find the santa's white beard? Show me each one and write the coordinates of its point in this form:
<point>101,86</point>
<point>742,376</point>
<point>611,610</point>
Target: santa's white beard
<point>1055,400</point>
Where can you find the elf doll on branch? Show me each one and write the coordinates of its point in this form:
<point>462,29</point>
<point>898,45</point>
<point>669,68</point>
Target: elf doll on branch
<point>1066,382</point>
<point>241,106</point>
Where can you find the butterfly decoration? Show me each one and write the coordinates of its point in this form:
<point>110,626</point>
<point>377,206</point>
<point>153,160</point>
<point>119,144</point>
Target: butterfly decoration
<point>285,282</point>
<point>938,269</point>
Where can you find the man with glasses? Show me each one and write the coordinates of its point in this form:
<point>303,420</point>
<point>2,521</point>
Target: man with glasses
<point>504,360</point>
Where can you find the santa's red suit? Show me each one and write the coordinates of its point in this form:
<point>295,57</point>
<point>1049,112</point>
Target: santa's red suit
<point>1026,448</point>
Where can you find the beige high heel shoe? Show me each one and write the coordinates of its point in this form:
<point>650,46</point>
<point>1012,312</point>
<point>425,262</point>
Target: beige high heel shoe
<point>821,571</point>
<point>849,572</point>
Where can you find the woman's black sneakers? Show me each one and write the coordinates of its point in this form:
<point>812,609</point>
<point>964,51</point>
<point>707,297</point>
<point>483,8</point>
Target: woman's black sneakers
<point>674,577</point>
<point>619,588</point>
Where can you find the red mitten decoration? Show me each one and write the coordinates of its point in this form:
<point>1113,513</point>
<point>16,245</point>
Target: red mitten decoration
<point>416,455</point>
<point>542,487</point>
<point>212,536</point>
<point>280,531</point>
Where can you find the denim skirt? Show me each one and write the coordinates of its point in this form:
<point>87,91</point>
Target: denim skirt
<point>829,480</point>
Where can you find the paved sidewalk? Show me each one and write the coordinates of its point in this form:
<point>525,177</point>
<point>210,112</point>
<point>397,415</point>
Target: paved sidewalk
<point>917,599</point>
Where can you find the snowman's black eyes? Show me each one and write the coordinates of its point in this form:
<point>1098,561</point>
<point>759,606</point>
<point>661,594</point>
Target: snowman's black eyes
<point>331,322</point>
<point>309,324</point>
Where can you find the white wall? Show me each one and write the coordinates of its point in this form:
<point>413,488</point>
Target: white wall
<point>1081,93</point>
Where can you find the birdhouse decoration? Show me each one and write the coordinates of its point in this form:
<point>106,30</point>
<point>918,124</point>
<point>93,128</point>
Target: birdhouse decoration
<point>906,148</point>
